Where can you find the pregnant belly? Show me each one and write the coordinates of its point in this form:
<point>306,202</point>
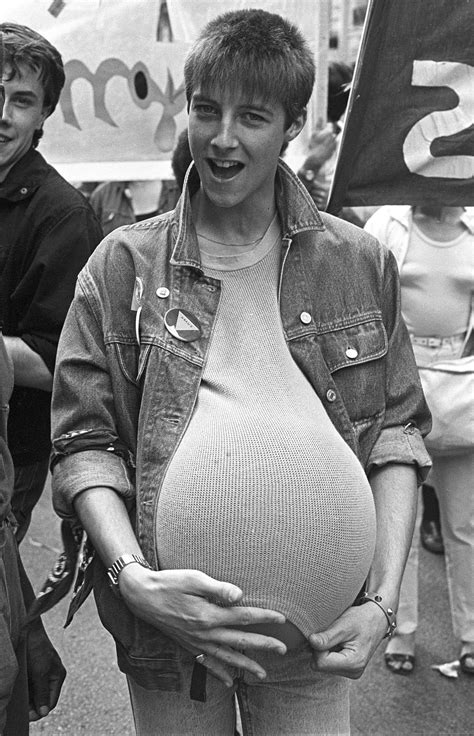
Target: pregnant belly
<point>295,533</point>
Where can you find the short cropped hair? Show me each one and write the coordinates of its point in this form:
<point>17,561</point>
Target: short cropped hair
<point>254,50</point>
<point>23,46</point>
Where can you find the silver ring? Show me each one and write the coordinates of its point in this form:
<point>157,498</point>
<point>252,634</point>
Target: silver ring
<point>200,658</point>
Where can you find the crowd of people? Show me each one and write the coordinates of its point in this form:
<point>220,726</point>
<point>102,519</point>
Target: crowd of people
<point>227,394</point>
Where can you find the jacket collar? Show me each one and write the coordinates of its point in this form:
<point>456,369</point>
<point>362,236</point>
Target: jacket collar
<point>297,211</point>
<point>403,215</point>
<point>25,177</point>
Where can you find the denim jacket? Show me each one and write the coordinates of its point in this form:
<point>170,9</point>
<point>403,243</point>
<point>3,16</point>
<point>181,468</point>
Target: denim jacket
<point>125,388</point>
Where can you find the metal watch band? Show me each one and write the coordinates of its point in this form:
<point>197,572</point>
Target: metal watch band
<point>114,570</point>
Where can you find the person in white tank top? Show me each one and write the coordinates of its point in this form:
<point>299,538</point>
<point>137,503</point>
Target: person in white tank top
<point>434,247</point>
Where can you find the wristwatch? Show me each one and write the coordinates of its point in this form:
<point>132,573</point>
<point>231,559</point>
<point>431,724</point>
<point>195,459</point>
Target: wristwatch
<point>114,570</point>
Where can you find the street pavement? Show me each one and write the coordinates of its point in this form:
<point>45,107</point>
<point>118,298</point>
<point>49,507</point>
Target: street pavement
<point>94,699</point>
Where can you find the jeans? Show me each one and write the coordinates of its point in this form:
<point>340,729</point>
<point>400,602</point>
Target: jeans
<point>29,485</point>
<point>292,700</point>
<point>452,478</point>
<point>13,678</point>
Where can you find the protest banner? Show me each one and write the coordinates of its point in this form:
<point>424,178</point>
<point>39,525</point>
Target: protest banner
<point>409,133</point>
<point>123,104</point>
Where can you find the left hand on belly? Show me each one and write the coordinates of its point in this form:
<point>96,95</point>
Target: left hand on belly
<point>346,646</point>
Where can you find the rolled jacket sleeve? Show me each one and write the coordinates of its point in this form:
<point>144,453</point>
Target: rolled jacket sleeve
<point>79,471</point>
<point>90,447</point>
<point>407,417</point>
<point>401,445</point>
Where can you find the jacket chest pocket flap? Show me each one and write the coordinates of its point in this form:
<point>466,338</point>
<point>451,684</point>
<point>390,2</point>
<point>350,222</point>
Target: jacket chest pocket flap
<point>354,344</point>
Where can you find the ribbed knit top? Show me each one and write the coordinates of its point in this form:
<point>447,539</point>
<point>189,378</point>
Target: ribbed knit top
<point>439,274</point>
<point>262,490</point>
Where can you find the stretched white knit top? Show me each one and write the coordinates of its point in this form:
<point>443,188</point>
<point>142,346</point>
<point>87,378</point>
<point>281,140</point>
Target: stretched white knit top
<point>262,491</point>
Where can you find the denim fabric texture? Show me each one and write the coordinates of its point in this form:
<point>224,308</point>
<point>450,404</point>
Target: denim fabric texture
<point>293,699</point>
<point>125,388</point>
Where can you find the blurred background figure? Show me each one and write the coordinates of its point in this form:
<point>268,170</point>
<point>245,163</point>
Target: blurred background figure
<point>119,203</point>
<point>430,526</point>
<point>433,246</point>
<point>318,168</point>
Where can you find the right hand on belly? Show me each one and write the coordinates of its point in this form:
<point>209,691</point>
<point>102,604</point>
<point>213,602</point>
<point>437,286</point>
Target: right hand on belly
<point>181,604</point>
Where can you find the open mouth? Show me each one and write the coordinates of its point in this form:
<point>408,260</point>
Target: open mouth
<point>224,169</point>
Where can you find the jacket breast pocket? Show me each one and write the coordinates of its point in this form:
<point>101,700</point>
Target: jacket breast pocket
<point>354,355</point>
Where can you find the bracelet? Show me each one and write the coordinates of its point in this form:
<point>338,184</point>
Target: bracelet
<point>388,612</point>
<point>114,570</point>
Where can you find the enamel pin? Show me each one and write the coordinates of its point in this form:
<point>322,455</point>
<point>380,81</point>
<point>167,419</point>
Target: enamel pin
<point>183,325</point>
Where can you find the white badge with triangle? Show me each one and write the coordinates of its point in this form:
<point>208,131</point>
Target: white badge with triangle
<point>183,325</point>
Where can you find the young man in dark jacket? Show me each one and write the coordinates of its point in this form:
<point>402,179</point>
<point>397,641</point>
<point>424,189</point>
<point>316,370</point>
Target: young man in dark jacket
<point>47,233</point>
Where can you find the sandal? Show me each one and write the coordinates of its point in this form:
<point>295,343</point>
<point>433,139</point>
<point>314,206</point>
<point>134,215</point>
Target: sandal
<point>465,667</point>
<point>400,664</point>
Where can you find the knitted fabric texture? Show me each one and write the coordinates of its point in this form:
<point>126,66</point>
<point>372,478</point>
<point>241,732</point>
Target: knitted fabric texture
<point>262,491</point>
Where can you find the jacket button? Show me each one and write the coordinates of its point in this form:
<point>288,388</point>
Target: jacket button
<point>352,353</point>
<point>305,317</point>
<point>23,190</point>
<point>331,395</point>
<point>162,292</point>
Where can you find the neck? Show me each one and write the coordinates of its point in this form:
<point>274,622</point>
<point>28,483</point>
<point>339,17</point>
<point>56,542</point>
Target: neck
<point>231,225</point>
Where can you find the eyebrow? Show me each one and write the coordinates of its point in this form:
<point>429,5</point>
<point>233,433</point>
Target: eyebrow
<point>25,93</point>
<point>246,103</point>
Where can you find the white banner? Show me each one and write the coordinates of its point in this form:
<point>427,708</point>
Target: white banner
<point>123,104</point>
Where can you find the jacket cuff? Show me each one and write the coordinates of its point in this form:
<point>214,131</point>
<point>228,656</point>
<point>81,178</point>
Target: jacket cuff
<point>75,473</point>
<point>402,445</point>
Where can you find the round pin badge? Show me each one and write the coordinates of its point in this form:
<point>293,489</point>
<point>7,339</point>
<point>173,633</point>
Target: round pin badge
<point>183,325</point>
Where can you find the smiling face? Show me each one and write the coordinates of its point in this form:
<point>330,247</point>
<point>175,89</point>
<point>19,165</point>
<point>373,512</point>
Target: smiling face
<point>235,144</point>
<point>23,113</point>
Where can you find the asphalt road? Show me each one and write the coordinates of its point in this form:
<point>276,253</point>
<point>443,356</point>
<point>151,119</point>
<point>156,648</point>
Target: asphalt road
<point>94,700</point>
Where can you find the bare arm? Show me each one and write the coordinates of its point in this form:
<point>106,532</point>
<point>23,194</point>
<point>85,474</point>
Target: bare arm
<point>359,631</point>
<point>395,496</point>
<point>29,367</point>
<point>178,602</point>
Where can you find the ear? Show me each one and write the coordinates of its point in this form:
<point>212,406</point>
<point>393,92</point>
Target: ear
<point>296,126</point>
<point>45,113</point>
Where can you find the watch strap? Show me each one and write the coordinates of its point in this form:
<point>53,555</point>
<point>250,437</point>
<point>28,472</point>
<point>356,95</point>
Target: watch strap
<point>114,570</point>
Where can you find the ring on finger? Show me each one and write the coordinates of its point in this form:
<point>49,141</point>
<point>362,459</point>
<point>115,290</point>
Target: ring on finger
<point>200,658</point>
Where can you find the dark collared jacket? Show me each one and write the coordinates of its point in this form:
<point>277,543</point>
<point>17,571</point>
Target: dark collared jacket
<point>6,465</point>
<point>47,233</point>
